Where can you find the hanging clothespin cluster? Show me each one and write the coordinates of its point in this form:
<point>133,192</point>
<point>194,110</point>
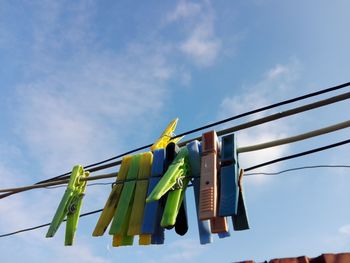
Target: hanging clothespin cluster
<point>149,195</point>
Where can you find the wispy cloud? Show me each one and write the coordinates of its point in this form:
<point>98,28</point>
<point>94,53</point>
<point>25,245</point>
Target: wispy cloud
<point>185,250</point>
<point>183,10</point>
<point>275,83</point>
<point>345,230</point>
<point>201,44</point>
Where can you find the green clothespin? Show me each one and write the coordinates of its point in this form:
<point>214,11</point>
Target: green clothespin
<point>175,180</point>
<point>122,214</point>
<point>70,205</point>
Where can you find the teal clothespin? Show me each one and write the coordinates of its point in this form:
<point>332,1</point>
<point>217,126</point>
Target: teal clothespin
<point>70,205</point>
<point>174,181</point>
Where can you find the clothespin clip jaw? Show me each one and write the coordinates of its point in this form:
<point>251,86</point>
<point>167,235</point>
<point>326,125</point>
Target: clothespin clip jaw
<point>166,136</point>
<point>70,205</point>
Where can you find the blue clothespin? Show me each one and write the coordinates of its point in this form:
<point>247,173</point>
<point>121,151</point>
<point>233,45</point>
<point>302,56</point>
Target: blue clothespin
<point>153,210</point>
<point>195,164</point>
<point>229,191</point>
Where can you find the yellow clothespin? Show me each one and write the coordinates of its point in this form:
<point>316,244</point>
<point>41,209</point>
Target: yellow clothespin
<point>165,138</point>
<point>112,202</point>
<point>162,142</point>
<point>136,217</point>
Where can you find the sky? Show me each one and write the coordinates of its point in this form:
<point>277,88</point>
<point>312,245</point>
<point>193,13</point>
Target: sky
<point>82,81</point>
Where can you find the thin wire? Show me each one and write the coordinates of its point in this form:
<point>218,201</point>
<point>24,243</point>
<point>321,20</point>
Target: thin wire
<point>47,224</point>
<point>298,168</point>
<point>285,102</point>
<point>298,155</point>
<point>64,185</point>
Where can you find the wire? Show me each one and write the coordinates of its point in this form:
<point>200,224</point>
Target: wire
<point>295,138</point>
<point>285,102</point>
<point>299,137</point>
<point>298,155</point>
<point>47,224</point>
<point>93,184</point>
<point>247,169</point>
<point>299,168</point>
<point>253,123</point>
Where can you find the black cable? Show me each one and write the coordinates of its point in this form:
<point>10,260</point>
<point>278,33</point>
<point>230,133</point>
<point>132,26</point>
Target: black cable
<point>298,168</point>
<point>44,225</point>
<point>65,185</point>
<point>285,102</point>
<point>298,155</point>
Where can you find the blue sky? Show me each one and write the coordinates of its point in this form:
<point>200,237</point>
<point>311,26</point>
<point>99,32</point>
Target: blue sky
<point>85,80</point>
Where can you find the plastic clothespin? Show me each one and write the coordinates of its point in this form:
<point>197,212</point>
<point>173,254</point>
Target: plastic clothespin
<point>137,213</point>
<point>240,220</point>
<point>209,183</point>
<point>122,214</point>
<point>112,202</point>
<point>175,179</point>
<point>70,205</point>
<point>181,224</point>
<point>194,159</point>
<point>151,221</point>
<point>165,138</point>
<point>228,177</point>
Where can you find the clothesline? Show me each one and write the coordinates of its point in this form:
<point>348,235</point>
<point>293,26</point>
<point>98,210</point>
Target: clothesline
<point>239,127</point>
<point>113,175</point>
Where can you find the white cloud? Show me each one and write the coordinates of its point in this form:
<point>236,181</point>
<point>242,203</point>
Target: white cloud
<point>277,71</point>
<point>184,250</point>
<point>184,9</point>
<point>81,252</point>
<point>345,230</point>
<point>200,44</point>
<point>76,109</point>
<point>276,82</point>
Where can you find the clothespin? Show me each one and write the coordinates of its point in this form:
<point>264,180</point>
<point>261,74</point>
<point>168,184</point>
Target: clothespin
<point>122,214</point>
<point>194,159</point>
<point>240,220</point>
<point>112,202</point>
<point>137,213</point>
<point>165,138</point>
<point>153,210</point>
<point>209,182</point>
<point>70,205</point>
<point>175,179</point>
<point>153,232</point>
<point>229,177</point>
<point>181,224</point>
